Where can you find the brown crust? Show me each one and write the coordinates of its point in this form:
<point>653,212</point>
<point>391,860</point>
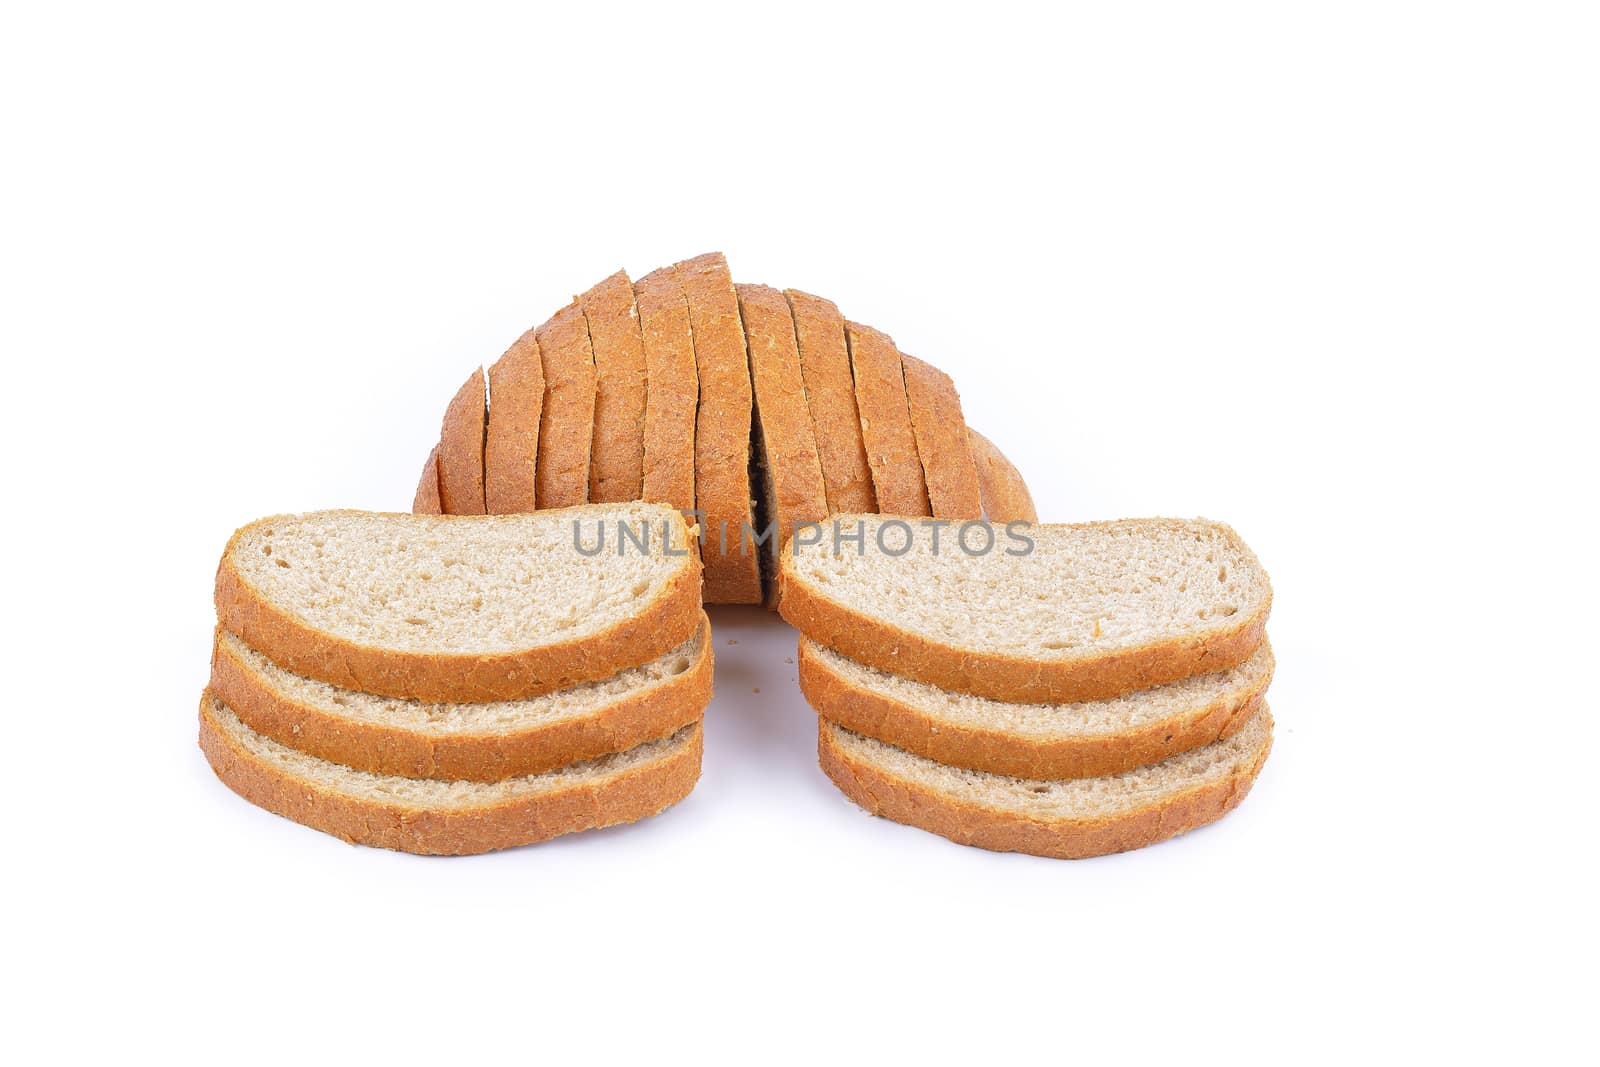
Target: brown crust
<point>886,423</point>
<point>616,462</point>
<point>1005,495</point>
<point>511,446</point>
<point>722,432</point>
<point>566,429</point>
<point>426,502</point>
<point>381,748</point>
<point>969,823</point>
<point>633,794</point>
<point>288,641</point>
<point>942,445</point>
<point>672,389</point>
<point>831,401</point>
<point>461,448</point>
<point>798,495</point>
<point>880,715</point>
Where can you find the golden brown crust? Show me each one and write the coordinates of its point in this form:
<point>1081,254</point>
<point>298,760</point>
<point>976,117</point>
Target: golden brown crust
<point>616,463</point>
<point>722,432</point>
<point>566,428</point>
<point>672,390</point>
<point>878,714</point>
<point>461,449</point>
<point>897,478</point>
<point>289,641</point>
<point>942,446</point>
<point>426,502</point>
<point>1005,495</point>
<point>511,446</point>
<point>634,793</point>
<point>383,748</point>
<point>969,823</point>
<point>831,401</point>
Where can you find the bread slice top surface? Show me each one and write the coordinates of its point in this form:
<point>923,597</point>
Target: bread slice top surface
<point>1004,494</point>
<point>1083,591</point>
<point>459,586</point>
<point>511,441</point>
<point>426,500</point>
<point>672,389</point>
<point>949,472</point>
<point>461,448</point>
<point>1067,800</point>
<point>831,399</point>
<point>616,464</point>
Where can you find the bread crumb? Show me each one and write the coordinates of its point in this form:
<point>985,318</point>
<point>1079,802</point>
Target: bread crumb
<point>757,689</point>
<point>733,640</point>
<point>788,659</point>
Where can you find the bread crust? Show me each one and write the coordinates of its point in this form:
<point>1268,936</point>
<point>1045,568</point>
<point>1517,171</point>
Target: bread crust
<point>876,714</point>
<point>616,462</point>
<point>566,428</point>
<point>722,432</point>
<point>1004,494</point>
<point>511,445</point>
<point>632,794</point>
<point>942,445</point>
<point>897,478</point>
<point>968,822</point>
<point>426,502</point>
<point>461,448</point>
<point>831,402</point>
<point>382,748</point>
<point>672,390</point>
<point>659,626</point>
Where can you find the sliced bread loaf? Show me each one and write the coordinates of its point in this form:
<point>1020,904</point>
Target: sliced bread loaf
<point>672,389</point>
<point>897,478</point>
<point>1004,494</point>
<point>511,446</point>
<point>461,448</point>
<point>1069,819</point>
<point>468,742</point>
<point>616,463</point>
<point>831,401</point>
<point>441,609</point>
<point>426,502</point>
<point>1054,614</point>
<point>447,818</point>
<point>1083,740</point>
<point>942,446</point>
<point>566,425</point>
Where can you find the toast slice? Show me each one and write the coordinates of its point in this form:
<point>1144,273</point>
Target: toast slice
<point>566,425</point>
<point>1071,819</point>
<point>897,479</point>
<point>465,742</point>
<point>1004,494</point>
<point>616,462</point>
<point>426,502</point>
<point>461,448</point>
<point>455,610</point>
<point>1054,614</point>
<point>1085,740</point>
<point>672,390</point>
<point>942,445</point>
<point>722,432</point>
<point>831,401</point>
<point>511,446</point>
<point>447,818</point>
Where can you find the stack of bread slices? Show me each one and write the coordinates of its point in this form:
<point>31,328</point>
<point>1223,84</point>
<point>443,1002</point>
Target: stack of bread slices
<point>1063,690</point>
<point>449,686</point>
<point>755,407</point>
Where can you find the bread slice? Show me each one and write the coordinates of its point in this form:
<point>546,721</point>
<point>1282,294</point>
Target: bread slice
<point>466,742</point>
<point>722,432</point>
<point>942,445</point>
<point>672,389</point>
<point>1054,614</point>
<point>511,446</point>
<point>616,462</point>
<point>447,818</point>
<point>566,426</point>
<point>1070,819</point>
<point>831,401</point>
<point>426,502</point>
<point>897,478</point>
<point>442,609</point>
<point>1083,740</point>
<point>461,448</point>
<point>1005,495</point>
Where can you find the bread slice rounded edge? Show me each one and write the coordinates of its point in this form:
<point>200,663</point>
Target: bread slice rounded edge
<point>1004,494</point>
<point>634,793</point>
<point>426,501</point>
<point>511,440</point>
<point>672,389</point>
<point>879,715</point>
<point>967,822</point>
<point>949,472</point>
<point>462,678</point>
<point>633,718</point>
<point>461,447</point>
<point>885,411</point>
<point>616,453</point>
<point>831,401</point>
<point>566,421</point>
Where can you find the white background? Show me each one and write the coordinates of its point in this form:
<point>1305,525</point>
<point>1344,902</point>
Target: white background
<point>1329,274</point>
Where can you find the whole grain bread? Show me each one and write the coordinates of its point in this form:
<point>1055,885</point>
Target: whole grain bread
<point>1071,819</point>
<point>942,445</point>
<point>831,401</point>
<point>672,389</point>
<point>461,610</point>
<point>897,478</point>
<point>461,448</point>
<point>566,425</point>
<point>426,502</point>
<point>511,446</point>
<point>447,818</point>
<point>1054,614</point>
<point>616,463</point>
<point>1005,495</point>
